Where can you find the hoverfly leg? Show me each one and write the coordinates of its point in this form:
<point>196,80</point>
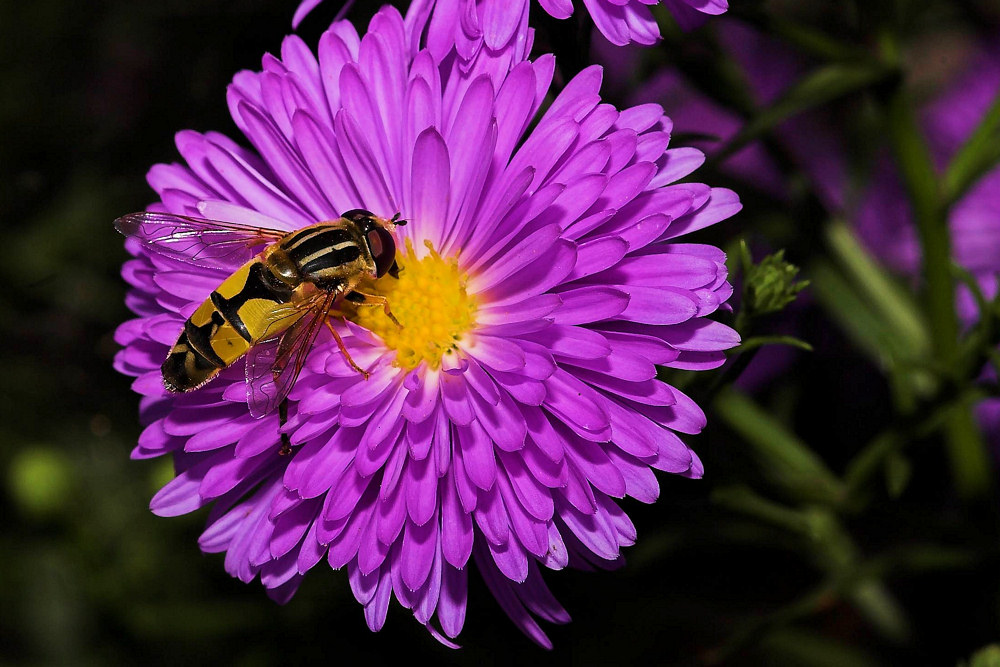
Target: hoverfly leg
<point>343,349</point>
<point>369,300</point>
<point>286,442</point>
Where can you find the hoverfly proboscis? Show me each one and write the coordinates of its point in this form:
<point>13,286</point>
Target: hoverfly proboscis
<point>279,295</point>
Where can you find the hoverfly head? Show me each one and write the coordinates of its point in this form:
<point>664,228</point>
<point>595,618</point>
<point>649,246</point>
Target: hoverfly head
<point>360,217</point>
<point>378,236</point>
<point>383,249</point>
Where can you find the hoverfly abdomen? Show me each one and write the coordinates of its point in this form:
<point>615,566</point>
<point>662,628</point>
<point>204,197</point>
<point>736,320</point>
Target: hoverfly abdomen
<point>247,296</point>
<point>207,344</point>
<point>234,316</point>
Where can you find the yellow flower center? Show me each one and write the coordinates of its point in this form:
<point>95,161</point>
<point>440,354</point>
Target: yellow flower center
<point>430,301</point>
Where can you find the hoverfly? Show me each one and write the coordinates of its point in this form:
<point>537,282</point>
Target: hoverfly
<point>274,305</point>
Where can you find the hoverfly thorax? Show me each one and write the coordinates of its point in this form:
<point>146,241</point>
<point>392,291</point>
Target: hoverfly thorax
<point>282,266</point>
<point>328,254</point>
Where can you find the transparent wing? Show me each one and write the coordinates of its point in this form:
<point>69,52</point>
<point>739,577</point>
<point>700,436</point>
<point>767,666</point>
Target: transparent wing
<point>275,361</point>
<point>209,243</point>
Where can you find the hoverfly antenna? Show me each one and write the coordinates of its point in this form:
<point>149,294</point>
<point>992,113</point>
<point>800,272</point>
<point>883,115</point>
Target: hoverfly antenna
<point>396,221</point>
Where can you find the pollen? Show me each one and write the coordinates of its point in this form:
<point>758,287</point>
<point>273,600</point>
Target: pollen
<point>431,303</point>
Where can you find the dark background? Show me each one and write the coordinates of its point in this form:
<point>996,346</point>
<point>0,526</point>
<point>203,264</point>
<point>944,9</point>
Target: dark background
<point>92,94</point>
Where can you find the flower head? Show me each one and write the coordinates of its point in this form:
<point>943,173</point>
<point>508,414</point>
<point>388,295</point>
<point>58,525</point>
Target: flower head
<point>540,284</point>
<point>468,24</point>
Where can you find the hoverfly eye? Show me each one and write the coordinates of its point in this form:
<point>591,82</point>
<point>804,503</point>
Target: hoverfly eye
<point>357,215</point>
<point>383,249</point>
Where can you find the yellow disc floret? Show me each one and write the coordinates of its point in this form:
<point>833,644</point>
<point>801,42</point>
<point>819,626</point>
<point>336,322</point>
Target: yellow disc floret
<point>431,303</point>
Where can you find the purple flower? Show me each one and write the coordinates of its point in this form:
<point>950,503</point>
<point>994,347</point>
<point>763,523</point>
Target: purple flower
<point>467,24</point>
<point>541,283</point>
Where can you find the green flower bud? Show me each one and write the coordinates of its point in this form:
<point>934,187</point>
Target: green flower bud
<point>770,285</point>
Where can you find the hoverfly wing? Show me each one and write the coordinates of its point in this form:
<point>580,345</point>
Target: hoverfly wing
<point>275,361</point>
<point>208,243</point>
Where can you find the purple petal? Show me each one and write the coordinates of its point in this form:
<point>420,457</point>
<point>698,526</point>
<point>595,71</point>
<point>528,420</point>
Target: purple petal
<point>417,555</point>
<point>421,492</point>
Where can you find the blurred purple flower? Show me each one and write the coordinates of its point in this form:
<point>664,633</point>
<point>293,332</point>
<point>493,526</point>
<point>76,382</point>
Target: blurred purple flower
<point>883,216</point>
<point>541,283</point>
<point>878,206</point>
<point>467,24</point>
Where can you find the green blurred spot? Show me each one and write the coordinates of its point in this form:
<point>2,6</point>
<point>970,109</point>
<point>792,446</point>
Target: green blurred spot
<point>40,480</point>
<point>984,657</point>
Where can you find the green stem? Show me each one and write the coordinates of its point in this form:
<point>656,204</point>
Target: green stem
<point>819,87</point>
<point>805,38</point>
<point>978,155</point>
<point>820,598</point>
<point>965,447</point>
<point>930,417</point>
<point>914,162</point>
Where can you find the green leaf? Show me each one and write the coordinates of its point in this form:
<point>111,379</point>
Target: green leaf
<point>784,459</point>
<point>880,608</point>
<point>898,472</point>
<point>931,416</point>
<point>978,155</point>
<point>969,461</point>
<point>893,303</point>
<point>761,341</point>
<point>870,328</point>
<point>922,558</point>
<point>743,499</point>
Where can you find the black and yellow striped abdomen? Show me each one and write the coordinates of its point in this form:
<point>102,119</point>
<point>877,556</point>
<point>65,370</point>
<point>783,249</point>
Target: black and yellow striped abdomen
<point>245,307</point>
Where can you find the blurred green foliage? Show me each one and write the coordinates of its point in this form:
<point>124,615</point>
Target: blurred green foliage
<point>987,657</point>
<point>830,528</point>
